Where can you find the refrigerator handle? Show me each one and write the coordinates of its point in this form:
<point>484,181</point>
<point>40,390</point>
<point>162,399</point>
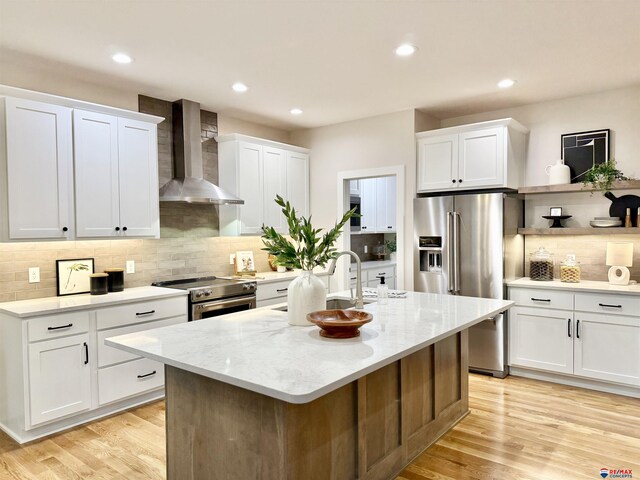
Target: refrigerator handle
<point>450,254</point>
<point>456,252</point>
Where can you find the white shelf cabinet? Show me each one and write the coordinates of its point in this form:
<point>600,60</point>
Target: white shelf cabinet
<point>67,373</point>
<point>378,205</point>
<point>568,332</point>
<point>113,153</point>
<point>116,176</point>
<point>482,155</point>
<point>38,177</point>
<point>257,170</point>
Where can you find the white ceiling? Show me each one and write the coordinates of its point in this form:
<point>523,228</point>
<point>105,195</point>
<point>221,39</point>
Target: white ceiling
<point>334,59</point>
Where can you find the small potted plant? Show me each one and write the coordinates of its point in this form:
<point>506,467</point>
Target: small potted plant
<point>392,248</point>
<point>602,175</point>
<point>305,250</point>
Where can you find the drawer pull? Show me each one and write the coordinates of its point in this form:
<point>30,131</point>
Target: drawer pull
<point>354,278</point>
<point>610,306</point>
<point>60,327</point>
<point>147,374</point>
<point>141,314</point>
<point>569,327</point>
<point>282,289</point>
<point>578,329</point>
<point>86,353</point>
<point>540,299</point>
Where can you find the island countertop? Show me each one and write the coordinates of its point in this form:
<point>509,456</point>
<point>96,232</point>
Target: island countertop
<point>259,351</point>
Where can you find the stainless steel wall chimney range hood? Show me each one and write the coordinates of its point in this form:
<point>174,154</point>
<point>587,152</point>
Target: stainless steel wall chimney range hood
<point>188,184</point>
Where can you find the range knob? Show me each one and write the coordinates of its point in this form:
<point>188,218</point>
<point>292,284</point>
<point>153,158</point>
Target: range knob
<point>207,292</point>
<point>198,293</point>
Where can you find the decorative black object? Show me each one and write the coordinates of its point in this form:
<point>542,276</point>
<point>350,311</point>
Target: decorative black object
<point>556,220</point>
<point>582,150</point>
<point>116,279</point>
<point>619,206</point>
<point>99,283</point>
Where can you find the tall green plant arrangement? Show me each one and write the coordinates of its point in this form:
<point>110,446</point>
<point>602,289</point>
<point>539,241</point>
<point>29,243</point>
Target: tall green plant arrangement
<point>307,248</point>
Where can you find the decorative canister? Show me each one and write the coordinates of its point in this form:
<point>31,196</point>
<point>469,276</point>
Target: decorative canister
<point>541,265</point>
<point>115,281</point>
<point>98,283</point>
<point>570,270</point>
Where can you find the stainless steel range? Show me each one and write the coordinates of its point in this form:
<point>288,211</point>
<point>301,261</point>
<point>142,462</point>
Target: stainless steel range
<point>215,296</point>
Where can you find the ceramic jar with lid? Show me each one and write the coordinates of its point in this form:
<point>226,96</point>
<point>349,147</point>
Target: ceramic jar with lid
<point>570,270</point>
<point>541,265</point>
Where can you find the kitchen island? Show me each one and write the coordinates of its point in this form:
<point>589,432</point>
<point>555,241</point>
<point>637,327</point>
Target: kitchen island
<point>249,396</point>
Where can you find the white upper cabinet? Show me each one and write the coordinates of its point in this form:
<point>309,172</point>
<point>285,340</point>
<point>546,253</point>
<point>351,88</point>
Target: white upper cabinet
<point>378,205</point>
<point>59,146</point>
<point>116,176</point>
<point>257,170</point>
<point>354,187</point>
<point>39,170</point>
<point>481,155</point>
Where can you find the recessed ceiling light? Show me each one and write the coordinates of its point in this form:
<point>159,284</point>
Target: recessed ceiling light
<point>122,58</point>
<point>406,50</point>
<point>239,87</point>
<point>506,83</point>
<point>295,111</point>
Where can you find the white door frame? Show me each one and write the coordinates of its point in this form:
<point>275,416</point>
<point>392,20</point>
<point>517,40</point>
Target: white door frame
<point>344,242</point>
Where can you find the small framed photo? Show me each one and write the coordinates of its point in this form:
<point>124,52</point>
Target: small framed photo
<point>244,263</point>
<point>555,212</point>
<point>72,276</point>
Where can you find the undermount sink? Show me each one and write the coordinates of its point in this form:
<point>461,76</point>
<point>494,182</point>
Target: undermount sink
<point>333,304</point>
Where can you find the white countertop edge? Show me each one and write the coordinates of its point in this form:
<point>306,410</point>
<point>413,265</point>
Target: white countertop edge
<point>52,305</point>
<point>315,394</point>
<point>583,286</point>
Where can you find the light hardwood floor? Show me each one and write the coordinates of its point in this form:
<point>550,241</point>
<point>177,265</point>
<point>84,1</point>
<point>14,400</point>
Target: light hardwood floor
<point>517,429</point>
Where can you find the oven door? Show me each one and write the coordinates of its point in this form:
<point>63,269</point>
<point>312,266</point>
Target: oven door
<point>200,311</point>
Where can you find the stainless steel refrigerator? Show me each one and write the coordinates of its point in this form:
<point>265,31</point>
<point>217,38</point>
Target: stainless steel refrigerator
<point>468,245</point>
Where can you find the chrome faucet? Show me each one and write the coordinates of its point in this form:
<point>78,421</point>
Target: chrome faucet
<point>359,300</point>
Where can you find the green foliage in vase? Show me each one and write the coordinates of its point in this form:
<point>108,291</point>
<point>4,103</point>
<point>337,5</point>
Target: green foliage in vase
<point>391,246</point>
<point>307,248</point>
<point>602,175</point>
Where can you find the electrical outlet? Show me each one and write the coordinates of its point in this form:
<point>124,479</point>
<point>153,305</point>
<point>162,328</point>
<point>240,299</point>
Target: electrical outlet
<point>131,266</point>
<point>232,258</point>
<point>366,249</point>
<point>34,275</point>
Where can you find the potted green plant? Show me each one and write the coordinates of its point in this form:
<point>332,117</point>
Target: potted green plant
<point>392,248</point>
<point>602,175</point>
<point>304,250</point>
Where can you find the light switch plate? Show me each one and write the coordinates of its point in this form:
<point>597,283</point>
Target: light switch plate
<point>131,266</point>
<point>34,274</point>
<point>232,258</point>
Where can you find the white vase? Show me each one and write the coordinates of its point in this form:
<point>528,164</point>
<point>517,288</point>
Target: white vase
<point>306,294</point>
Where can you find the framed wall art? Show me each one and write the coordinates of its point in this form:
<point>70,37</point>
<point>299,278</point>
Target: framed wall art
<point>582,150</point>
<point>72,275</point>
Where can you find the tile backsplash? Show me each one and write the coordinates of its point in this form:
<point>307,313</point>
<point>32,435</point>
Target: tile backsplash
<point>156,259</point>
<point>590,251</point>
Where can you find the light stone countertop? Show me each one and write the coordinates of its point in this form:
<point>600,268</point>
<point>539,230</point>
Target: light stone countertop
<point>271,276</point>
<point>583,286</point>
<point>54,305</point>
<point>259,351</point>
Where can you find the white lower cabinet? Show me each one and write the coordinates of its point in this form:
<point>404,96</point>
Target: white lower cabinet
<point>607,348</point>
<point>272,293</point>
<point>541,338</point>
<point>576,340</point>
<point>67,373</point>
<point>370,276</point>
<point>59,378</point>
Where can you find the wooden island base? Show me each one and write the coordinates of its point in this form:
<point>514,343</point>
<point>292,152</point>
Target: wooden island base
<point>369,429</point>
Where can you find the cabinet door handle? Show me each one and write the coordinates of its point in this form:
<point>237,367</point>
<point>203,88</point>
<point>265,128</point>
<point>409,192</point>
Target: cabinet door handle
<point>354,278</point>
<point>124,229</point>
<point>86,353</point>
<point>610,306</point>
<point>60,327</point>
<point>147,374</point>
<point>141,314</point>
<point>569,327</point>
<point>65,229</point>
<point>117,229</point>
<point>282,289</point>
<point>540,299</point>
<point>453,180</point>
<point>578,329</point>
<point>459,180</point>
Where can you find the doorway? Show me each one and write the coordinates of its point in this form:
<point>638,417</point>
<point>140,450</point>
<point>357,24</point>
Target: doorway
<point>380,195</point>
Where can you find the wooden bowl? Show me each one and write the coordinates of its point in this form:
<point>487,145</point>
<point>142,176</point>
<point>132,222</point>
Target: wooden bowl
<point>339,323</point>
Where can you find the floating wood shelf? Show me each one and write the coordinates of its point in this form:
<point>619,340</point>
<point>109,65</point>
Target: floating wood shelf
<point>579,231</point>
<point>578,187</point>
